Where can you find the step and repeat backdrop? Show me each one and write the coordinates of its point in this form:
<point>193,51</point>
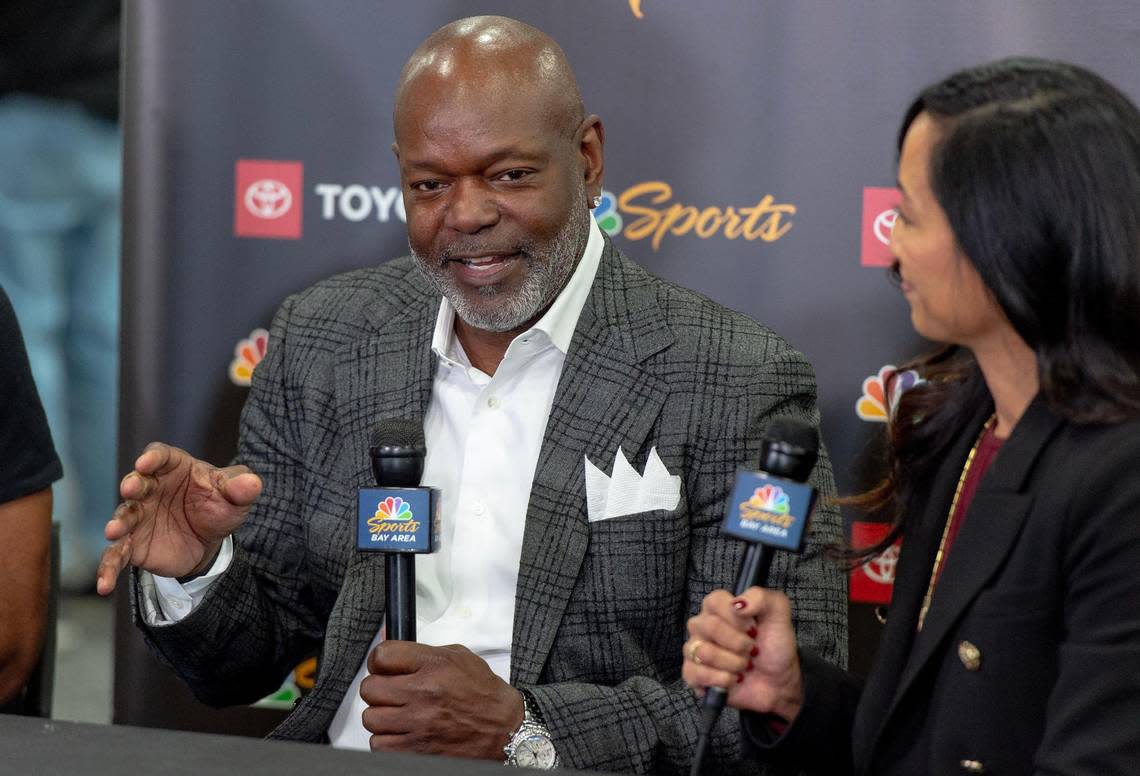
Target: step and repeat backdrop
<point>750,155</point>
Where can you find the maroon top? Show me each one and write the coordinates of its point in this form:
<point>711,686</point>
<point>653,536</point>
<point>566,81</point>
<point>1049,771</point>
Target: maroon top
<point>987,449</point>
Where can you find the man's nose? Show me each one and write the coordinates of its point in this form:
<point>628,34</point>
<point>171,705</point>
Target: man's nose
<point>472,207</point>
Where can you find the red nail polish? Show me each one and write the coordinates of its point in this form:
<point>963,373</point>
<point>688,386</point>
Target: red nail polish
<point>739,678</point>
<point>749,666</point>
<point>738,604</point>
<point>751,632</point>
<point>755,651</point>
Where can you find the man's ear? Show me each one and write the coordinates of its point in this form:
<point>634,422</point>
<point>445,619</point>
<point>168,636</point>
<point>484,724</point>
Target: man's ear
<point>591,147</point>
<point>396,150</point>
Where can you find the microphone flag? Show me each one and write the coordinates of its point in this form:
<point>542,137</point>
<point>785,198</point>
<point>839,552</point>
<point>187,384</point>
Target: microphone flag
<point>397,519</point>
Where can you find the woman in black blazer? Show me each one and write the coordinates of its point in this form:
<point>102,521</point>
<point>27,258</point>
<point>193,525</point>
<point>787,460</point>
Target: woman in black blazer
<point>1012,642</point>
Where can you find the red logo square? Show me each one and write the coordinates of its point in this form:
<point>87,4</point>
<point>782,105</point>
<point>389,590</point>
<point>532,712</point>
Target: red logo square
<point>878,219</point>
<point>267,198</point>
<point>873,582</point>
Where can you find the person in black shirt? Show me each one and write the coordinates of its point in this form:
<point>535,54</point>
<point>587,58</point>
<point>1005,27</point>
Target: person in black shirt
<point>28,467</point>
<point>59,239</point>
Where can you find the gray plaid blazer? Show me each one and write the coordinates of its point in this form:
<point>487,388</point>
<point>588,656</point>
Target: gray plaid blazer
<point>600,607</point>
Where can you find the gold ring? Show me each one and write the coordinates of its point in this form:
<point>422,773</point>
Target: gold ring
<point>693,651</point>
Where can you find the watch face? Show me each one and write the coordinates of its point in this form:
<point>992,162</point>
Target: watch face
<point>535,752</point>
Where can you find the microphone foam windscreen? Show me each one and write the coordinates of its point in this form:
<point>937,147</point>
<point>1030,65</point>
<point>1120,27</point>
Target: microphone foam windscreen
<point>398,432</point>
<point>793,432</point>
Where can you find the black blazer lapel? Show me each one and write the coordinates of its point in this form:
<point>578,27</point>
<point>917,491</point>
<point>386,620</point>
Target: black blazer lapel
<point>604,400</point>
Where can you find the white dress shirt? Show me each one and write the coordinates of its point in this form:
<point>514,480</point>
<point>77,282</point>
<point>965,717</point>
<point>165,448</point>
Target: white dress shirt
<point>483,436</point>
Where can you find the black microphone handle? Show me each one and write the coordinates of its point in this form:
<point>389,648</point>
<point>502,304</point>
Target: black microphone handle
<point>400,596</point>
<point>754,568</point>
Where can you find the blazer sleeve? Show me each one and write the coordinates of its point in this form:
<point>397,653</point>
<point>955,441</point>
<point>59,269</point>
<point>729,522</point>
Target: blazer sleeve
<point>1092,721</point>
<point>646,726</point>
<point>259,610</point>
<point>819,740</point>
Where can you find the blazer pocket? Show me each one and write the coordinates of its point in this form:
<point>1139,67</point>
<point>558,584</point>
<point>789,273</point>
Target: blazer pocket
<point>636,564</point>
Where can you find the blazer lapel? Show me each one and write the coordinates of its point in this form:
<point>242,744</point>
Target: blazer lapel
<point>604,400</point>
<point>387,373</point>
<point>919,546</point>
<point>988,533</point>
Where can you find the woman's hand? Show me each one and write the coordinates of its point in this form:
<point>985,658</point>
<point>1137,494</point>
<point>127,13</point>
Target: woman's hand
<point>747,646</point>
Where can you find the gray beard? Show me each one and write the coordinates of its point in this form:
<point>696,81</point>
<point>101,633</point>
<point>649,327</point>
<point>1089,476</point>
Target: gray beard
<point>546,275</point>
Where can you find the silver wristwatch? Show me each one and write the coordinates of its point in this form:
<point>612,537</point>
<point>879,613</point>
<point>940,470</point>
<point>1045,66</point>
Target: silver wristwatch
<point>530,746</point>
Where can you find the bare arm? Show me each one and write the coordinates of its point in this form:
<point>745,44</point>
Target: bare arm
<point>25,534</point>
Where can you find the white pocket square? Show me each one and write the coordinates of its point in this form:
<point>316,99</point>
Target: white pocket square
<point>625,492</point>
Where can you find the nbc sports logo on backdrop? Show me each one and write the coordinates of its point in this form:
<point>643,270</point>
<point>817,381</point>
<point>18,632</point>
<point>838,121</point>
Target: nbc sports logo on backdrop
<point>878,220</point>
<point>267,198</point>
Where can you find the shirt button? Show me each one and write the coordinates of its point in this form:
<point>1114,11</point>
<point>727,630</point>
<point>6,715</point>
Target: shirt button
<point>478,507</point>
<point>493,402</point>
<point>464,612</point>
<point>177,604</point>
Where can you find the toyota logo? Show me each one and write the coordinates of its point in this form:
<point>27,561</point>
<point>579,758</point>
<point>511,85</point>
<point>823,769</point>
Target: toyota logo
<point>268,199</point>
<point>884,223</point>
<point>881,568</point>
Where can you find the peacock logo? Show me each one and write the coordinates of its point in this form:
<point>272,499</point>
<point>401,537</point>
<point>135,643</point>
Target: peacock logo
<point>248,353</point>
<point>881,393</point>
<point>769,498</point>
<point>607,216</point>
<point>393,509</point>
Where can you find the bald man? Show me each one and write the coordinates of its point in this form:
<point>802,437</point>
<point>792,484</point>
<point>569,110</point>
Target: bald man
<point>541,359</point>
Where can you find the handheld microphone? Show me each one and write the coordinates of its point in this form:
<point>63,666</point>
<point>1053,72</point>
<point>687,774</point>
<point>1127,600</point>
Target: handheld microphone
<point>769,509</point>
<point>398,517</point>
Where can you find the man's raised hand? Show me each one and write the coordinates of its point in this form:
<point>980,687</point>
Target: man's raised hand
<point>176,511</point>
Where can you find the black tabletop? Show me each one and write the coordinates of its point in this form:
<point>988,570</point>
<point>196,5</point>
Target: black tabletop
<point>43,746</point>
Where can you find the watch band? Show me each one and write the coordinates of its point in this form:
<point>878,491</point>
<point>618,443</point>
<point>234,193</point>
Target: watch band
<point>531,734</point>
<point>531,709</point>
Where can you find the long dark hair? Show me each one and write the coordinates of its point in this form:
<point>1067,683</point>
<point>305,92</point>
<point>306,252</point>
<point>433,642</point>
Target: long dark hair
<point>1038,171</point>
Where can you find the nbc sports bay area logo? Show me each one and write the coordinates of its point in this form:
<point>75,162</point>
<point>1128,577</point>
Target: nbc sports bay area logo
<point>768,504</point>
<point>769,510</point>
<point>393,514</point>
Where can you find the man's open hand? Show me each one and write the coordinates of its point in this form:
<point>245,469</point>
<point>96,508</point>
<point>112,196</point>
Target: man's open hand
<point>175,513</point>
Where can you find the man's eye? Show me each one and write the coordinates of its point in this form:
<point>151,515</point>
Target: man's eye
<point>427,186</point>
<point>514,175</point>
